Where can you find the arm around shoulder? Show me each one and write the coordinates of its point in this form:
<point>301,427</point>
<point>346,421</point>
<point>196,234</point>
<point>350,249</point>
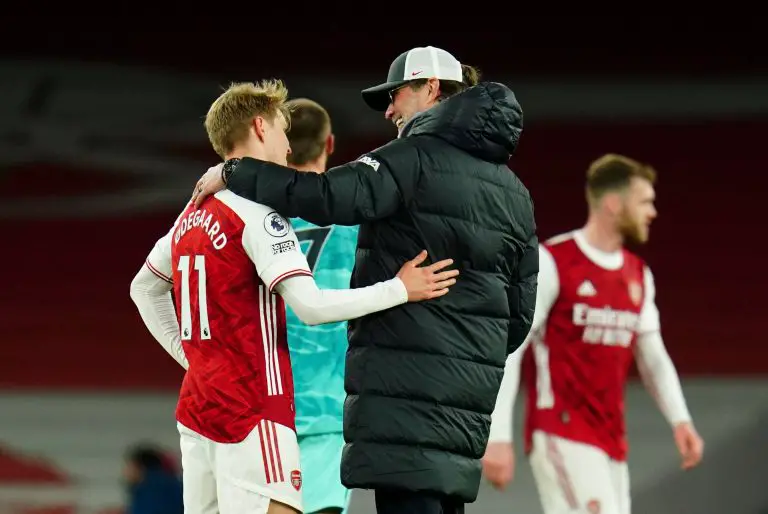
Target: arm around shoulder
<point>363,190</point>
<point>315,306</point>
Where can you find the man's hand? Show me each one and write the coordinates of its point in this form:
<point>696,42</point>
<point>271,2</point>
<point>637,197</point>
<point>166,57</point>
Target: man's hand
<point>210,183</point>
<point>689,444</point>
<point>427,282</point>
<point>499,464</point>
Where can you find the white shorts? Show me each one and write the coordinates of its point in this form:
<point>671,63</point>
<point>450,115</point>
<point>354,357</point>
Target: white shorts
<point>576,477</point>
<point>233,478</point>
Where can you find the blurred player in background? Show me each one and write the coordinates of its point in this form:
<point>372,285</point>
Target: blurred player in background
<point>318,352</point>
<point>153,482</point>
<point>595,309</point>
<point>232,264</point>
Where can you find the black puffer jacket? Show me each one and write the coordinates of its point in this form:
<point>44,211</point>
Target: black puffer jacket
<point>422,378</point>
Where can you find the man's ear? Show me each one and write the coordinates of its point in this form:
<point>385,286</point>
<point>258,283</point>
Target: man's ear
<point>330,144</point>
<point>259,126</point>
<point>613,202</point>
<point>433,86</point>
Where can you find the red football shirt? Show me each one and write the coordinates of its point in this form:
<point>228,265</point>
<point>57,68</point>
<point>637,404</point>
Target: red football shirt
<point>579,358</point>
<point>224,260</point>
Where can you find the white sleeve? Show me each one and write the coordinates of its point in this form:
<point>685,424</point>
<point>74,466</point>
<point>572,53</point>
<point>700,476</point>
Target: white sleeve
<point>660,377</point>
<point>151,292</point>
<point>314,306</point>
<point>653,362</point>
<point>649,314</point>
<point>547,291</point>
<point>501,419</point>
<point>272,245</point>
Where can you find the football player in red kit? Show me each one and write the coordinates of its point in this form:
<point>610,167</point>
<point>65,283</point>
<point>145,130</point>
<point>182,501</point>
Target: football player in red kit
<point>595,311</point>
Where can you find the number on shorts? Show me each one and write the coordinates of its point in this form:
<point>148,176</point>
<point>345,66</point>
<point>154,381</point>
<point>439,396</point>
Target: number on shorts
<point>202,298</point>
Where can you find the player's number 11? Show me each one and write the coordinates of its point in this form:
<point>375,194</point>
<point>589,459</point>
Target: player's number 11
<point>202,298</point>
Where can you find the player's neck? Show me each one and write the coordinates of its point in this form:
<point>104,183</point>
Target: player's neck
<point>316,166</point>
<point>253,151</point>
<point>602,237</point>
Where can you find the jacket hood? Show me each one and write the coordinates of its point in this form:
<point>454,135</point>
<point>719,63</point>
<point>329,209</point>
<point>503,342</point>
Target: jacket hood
<point>484,120</point>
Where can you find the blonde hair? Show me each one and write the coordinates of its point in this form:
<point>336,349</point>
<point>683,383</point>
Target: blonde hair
<point>613,172</point>
<point>229,117</point>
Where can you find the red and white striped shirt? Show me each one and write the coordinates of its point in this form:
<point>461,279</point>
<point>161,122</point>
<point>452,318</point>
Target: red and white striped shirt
<point>224,260</point>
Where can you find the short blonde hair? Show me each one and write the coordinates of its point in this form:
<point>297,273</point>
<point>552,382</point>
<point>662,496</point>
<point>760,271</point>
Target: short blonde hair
<point>613,172</point>
<point>310,127</point>
<point>229,117</point>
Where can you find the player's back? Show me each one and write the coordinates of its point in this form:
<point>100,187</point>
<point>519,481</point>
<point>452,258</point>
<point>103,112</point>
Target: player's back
<point>581,355</point>
<point>318,352</point>
<point>232,325</point>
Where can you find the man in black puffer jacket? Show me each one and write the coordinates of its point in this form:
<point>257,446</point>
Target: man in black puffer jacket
<point>422,378</point>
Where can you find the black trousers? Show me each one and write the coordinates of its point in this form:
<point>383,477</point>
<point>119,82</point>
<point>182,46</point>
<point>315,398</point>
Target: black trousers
<point>394,501</point>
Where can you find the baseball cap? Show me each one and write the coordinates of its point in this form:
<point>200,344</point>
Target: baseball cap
<point>418,63</point>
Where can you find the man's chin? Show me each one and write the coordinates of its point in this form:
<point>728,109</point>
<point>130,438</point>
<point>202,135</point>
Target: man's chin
<point>636,238</point>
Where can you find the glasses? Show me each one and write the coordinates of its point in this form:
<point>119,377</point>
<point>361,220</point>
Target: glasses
<point>393,93</point>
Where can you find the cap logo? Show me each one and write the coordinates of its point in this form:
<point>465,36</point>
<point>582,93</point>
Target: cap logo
<point>414,73</point>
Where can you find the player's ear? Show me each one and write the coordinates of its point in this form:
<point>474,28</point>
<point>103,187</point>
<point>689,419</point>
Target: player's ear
<point>330,144</point>
<point>613,202</point>
<point>259,126</point>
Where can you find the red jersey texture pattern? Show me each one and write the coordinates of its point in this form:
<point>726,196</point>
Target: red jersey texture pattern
<point>577,368</point>
<point>224,259</point>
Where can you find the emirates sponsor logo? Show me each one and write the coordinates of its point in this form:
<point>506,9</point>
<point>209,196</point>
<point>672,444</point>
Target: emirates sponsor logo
<point>603,325</point>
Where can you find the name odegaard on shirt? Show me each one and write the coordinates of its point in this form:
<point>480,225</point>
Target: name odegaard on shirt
<point>202,219</point>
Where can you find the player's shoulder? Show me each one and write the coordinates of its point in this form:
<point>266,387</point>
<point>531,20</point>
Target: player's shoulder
<point>334,231</point>
<point>243,207</point>
<point>345,233</point>
<point>560,242</point>
<point>301,224</point>
<point>559,239</point>
<point>255,215</point>
<point>634,260</point>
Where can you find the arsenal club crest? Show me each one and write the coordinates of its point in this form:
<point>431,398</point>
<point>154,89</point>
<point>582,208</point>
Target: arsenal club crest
<point>635,292</point>
<point>296,479</point>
